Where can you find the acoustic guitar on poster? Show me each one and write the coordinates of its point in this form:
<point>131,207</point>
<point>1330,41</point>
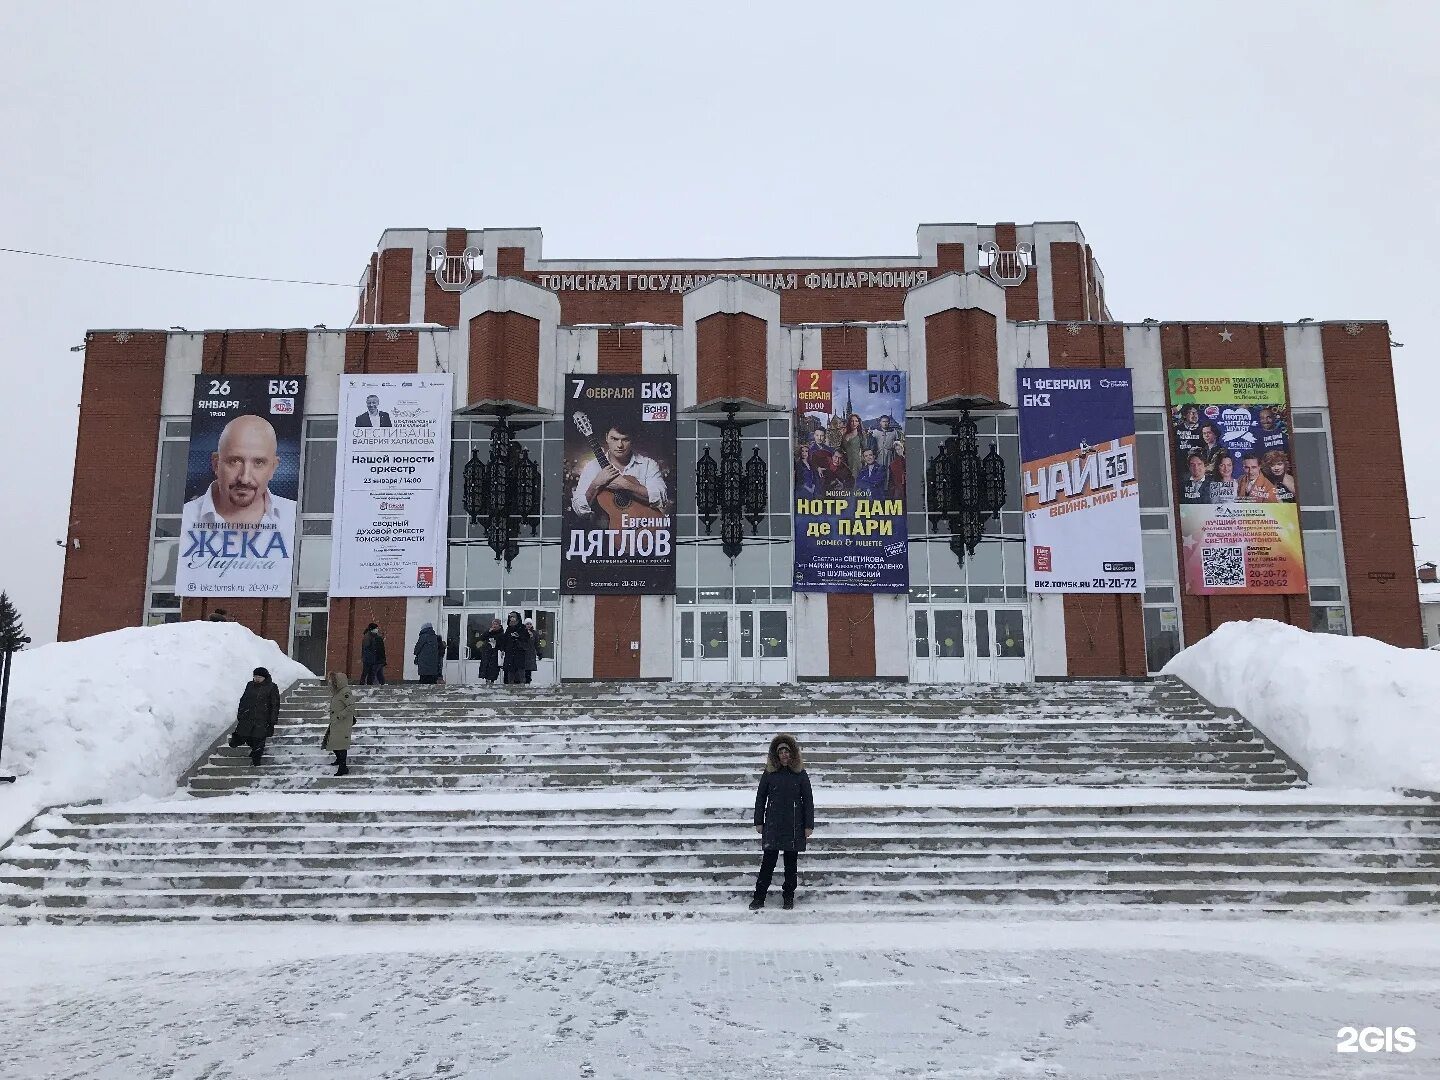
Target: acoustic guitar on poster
<point>612,504</point>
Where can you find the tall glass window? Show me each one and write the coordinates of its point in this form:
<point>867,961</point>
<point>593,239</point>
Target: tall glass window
<point>310,614</point>
<point>1163,636</point>
<point>161,603</point>
<point>996,571</point>
<point>763,571</point>
<point>475,576</point>
<point>1320,521</point>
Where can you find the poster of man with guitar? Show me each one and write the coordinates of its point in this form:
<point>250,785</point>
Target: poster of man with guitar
<point>619,450</point>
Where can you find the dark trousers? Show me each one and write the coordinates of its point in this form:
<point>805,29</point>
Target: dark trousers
<point>372,675</point>
<point>514,678</point>
<point>257,747</point>
<point>340,762</point>
<point>767,871</point>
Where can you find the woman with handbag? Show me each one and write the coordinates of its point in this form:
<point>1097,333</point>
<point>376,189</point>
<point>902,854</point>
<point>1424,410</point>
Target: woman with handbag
<point>342,721</point>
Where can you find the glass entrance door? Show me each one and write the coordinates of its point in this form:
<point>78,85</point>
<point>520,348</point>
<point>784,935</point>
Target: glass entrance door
<point>969,643</point>
<point>734,644</point>
<point>464,630</point>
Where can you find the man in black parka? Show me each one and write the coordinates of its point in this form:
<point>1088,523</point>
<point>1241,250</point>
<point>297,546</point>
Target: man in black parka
<point>784,817</point>
<point>256,715</point>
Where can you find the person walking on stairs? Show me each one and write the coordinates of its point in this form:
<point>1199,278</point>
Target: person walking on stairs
<point>342,721</point>
<point>372,656</point>
<point>256,715</point>
<point>429,650</point>
<point>784,817</point>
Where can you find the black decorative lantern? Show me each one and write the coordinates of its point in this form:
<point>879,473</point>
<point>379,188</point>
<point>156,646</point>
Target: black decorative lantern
<point>527,491</point>
<point>707,489</point>
<point>503,494</point>
<point>964,491</point>
<point>731,489</point>
<point>757,489</point>
<point>477,488</point>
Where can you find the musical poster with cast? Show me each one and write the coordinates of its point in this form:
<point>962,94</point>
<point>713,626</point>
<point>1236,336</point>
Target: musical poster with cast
<point>850,529</point>
<point>619,485</point>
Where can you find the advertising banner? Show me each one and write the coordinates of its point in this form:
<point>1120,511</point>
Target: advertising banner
<point>1079,480</point>
<point>1239,514</point>
<point>620,453</point>
<point>850,529</point>
<point>242,483</point>
<point>392,486</point>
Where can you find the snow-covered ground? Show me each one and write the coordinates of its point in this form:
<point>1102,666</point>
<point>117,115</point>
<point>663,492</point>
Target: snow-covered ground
<point>1354,712</point>
<point>771,996</point>
<point>124,714</point>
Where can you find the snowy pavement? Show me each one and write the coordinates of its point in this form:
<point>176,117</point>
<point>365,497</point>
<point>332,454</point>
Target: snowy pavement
<point>770,996</point>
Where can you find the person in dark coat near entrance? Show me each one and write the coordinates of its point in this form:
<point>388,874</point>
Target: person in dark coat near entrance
<point>516,644</point>
<point>256,715</point>
<point>372,656</point>
<point>487,651</point>
<point>532,651</point>
<point>429,650</point>
<point>784,817</point>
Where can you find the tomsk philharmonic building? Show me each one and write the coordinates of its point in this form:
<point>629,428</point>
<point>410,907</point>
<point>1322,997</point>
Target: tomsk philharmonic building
<point>958,317</point>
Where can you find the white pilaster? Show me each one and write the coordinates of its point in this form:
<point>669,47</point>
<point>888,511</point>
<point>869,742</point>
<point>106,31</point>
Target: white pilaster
<point>577,637</point>
<point>893,640</point>
<point>183,356</point>
<point>324,364</point>
<point>657,637</point>
<point>1047,634</point>
<point>812,635</point>
<point>1305,367</point>
<point>1142,357</point>
<point>660,350</point>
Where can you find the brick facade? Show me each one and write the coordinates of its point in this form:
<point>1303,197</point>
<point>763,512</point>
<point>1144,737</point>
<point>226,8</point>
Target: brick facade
<point>125,381</point>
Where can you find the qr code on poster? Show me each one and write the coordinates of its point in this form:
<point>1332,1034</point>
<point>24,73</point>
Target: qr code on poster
<point>1224,567</point>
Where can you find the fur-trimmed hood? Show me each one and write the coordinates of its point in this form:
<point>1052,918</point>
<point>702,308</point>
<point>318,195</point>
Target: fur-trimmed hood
<point>772,760</point>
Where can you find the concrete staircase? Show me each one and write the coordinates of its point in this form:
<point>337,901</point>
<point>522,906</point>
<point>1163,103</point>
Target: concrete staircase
<point>644,801</point>
<point>1093,734</point>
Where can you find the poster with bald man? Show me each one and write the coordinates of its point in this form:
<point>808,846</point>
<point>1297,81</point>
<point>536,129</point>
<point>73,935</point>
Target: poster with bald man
<point>242,483</point>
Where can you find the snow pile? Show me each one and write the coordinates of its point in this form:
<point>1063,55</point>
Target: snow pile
<point>124,714</point>
<point>1354,712</point>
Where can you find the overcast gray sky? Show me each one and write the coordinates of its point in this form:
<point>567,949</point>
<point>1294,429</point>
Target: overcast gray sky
<point>1236,161</point>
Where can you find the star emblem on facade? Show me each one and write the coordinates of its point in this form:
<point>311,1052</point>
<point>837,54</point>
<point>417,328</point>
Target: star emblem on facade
<point>1226,335</point>
<point>392,335</point>
<point>1072,329</point>
<point>123,336</point>
<point>1353,329</point>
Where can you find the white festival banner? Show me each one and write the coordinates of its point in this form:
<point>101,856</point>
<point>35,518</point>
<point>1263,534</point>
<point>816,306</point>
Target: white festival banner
<point>392,486</point>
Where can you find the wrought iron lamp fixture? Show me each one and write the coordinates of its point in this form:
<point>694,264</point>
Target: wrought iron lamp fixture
<point>731,490</point>
<point>964,490</point>
<point>503,494</point>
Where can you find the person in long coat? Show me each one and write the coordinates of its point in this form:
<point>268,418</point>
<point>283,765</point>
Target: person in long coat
<point>784,817</point>
<point>487,648</point>
<point>516,644</point>
<point>342,721</point>
<point>429,650</point>
<point>372,656</point>
<point>532,651</point>
<point>256,714</point>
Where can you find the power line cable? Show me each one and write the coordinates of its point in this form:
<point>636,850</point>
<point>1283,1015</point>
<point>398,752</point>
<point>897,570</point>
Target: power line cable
<point>173,270</point>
